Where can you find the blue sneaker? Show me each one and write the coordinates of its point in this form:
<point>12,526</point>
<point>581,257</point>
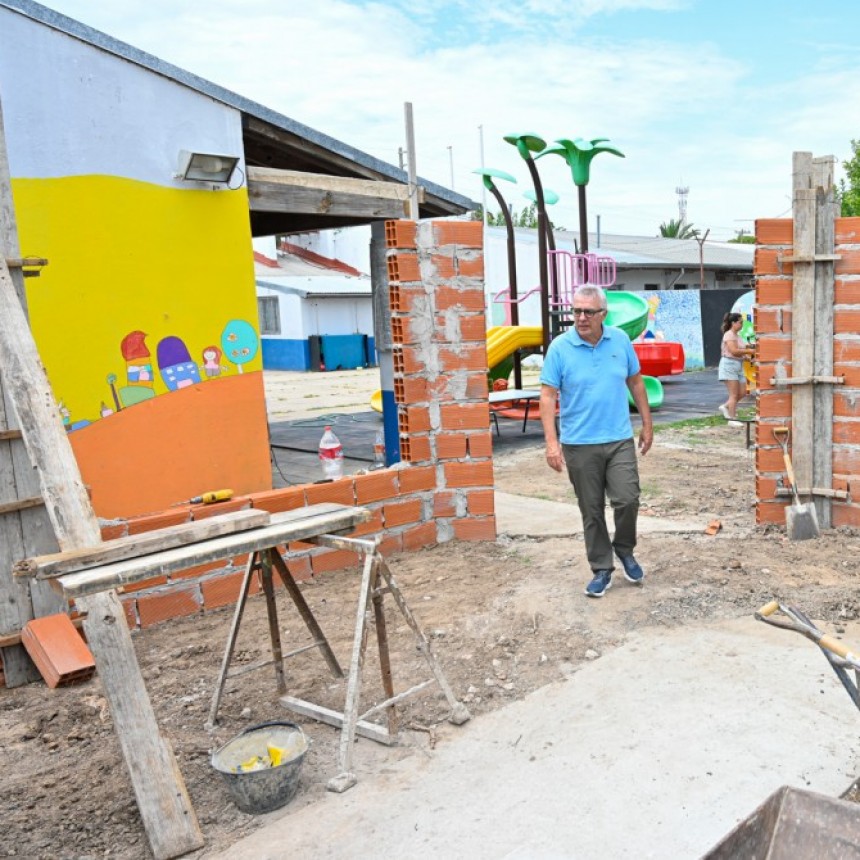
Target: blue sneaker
<point>601,583</point>
<point>632,571</point>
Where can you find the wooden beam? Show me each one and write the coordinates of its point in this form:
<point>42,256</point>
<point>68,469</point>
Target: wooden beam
<point>274,197</point>
<point>165,808</point>
<point>21,505</point>
<point>133,546</point>
<point>826,210</point>
<point>803,317</point>
<point>283,528</point>
<point>325,182</point>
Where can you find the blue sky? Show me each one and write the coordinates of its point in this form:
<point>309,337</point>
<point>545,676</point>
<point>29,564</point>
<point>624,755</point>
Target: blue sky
<point>714,95</point>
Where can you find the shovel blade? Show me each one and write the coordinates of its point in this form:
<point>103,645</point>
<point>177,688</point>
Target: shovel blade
<point>801,522</point>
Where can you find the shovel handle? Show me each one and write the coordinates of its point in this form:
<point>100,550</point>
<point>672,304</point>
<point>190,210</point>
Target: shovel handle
<point>767,610</point>
<point>789,468</point>
<point>836,647</point>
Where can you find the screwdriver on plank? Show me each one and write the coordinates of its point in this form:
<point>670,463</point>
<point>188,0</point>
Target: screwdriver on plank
<point>207,498</point>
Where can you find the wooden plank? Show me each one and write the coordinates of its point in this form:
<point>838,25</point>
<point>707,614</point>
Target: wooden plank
<point>26,532</point>
<point>283,528</point>
<point>134,546</point>
<point>326,182</point>
<point>165,808</point>
<point>21,505</point>
<point>803,317</point>
<point>371,731</point>
<point>826,210</point>
<point>274,197</point>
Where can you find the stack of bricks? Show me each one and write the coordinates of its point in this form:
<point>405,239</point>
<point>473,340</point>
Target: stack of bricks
<point>442,490</point>
<point>438,328</point>
<point>773,325</point>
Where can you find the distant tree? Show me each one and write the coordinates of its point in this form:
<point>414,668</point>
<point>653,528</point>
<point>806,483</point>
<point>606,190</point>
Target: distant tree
<point>743,238</point>
<point>849,192</point>
<point>678,230</point>
<point>526,217</point>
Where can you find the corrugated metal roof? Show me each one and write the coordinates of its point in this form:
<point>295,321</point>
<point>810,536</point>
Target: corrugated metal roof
<point>648,251</point>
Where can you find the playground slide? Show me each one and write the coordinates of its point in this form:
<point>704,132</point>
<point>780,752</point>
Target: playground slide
<point>653,391</point>
<point>627,311</point>
<point>505,340</point>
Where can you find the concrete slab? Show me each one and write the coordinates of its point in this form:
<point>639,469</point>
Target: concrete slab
<point>523,516</point>
<point>655,750</point>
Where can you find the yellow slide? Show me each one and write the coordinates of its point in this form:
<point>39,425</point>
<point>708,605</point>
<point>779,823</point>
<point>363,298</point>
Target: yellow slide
<point>505,340</point>
<point>502,342</point>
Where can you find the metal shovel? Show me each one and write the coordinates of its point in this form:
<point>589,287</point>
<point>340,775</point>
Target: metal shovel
<point>801,520</point>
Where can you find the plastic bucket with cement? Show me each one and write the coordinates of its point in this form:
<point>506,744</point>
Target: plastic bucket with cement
<point>271,786</point>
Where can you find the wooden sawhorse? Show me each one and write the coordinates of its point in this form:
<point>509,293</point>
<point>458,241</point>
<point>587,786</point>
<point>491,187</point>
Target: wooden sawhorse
<point>370,599</point>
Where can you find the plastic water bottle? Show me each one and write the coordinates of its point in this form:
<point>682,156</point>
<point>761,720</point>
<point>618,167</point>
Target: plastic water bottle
<point>331,455</point>
<point>379,448</point>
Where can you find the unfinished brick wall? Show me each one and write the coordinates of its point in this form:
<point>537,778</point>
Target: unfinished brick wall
<point>773,324</point>
<point>442,490</point>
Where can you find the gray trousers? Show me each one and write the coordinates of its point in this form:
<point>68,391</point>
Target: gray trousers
<point>598,471</point>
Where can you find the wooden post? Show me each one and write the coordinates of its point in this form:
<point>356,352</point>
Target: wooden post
<point>803,317</point>
<point>165,807</point>
<point>826,210</point>
<point>26,531</point>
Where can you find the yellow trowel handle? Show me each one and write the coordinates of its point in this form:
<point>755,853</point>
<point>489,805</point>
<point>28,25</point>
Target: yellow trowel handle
<point>216,496</point>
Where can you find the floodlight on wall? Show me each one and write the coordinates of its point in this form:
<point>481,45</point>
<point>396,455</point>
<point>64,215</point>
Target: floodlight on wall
<point>206,167</point>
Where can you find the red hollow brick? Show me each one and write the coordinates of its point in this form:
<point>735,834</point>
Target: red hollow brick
<point>481,503</point>
<point>417,479</point>
<point>451,446</point>
<point>465,416</point>
<point>846,461</point>
<point>276,501</point>
<point>163,520</point>
<point>129,609</point>
<point>419,536</point>
<point>458,267</point>
<point>846,432</point>
<point>774,291</point>
<point>773,348</point>
<point>391,544</point>
<point>481,444</point>
<point>770,513</point>
<point>372,526</point>
<point>845,515</point>
<point>846,404</point>
<point>341,492</point>
<point>408,359</point>
<point>769,459</point>
<point>221,590</point>
<point>467,299</point>
<point>848,262</point>
<point>478,474</point>
<point>473,327</point>
<point>415,449</point>
<point>402,513</point>
<point>466,234</point>
<point>204,512</point>
<point>199,570</point>
<point>476,386</point>
<point>469,357</point>
<point>846,321</point>
<point>765,488</point>
<point>414,419</point>
<point>444,504</point>
<point>850,372</point>
<point>846,292</point>
<point>400,234</point>
<point>376,486</point>
<point>848,230</point>
<point>766,262</point>
<point>333,559</point>
<point>776,404</point>
<point>774,231</point>
<point>114,530</point>
<point>774,320</point>
<point>144,584</point>
<point>174,603</point>
<point>475,528</point>
<point>403,267</point>
<point>411,389</point>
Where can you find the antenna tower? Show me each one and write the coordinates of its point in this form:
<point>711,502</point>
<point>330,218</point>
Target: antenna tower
<point>682,191</point>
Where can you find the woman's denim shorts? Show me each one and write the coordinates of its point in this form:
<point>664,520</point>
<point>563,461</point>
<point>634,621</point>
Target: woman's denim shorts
<point>731,369</point>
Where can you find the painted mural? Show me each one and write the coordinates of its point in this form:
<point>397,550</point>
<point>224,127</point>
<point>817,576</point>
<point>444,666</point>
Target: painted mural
<point>675,315</point>
<point>145,271</point>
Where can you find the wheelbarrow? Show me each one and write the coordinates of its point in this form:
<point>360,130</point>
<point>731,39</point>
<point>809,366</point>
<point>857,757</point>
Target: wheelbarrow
<point>792,822</point>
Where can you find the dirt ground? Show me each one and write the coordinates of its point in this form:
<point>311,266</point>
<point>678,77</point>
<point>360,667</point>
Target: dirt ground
<point>504,618</point>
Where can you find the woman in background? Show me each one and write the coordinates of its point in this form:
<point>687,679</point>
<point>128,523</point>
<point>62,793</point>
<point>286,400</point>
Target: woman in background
<point>731,369</point>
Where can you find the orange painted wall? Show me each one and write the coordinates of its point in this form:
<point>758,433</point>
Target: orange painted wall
<point>186,439</point>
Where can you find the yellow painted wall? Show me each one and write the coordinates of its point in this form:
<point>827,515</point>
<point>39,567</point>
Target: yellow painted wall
<point>125,256</point>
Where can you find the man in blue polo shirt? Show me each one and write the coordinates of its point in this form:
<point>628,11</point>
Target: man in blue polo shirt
<point>591,367</point>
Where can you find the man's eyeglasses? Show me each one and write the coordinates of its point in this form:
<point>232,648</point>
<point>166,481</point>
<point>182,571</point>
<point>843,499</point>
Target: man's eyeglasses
<point>586,312</point>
